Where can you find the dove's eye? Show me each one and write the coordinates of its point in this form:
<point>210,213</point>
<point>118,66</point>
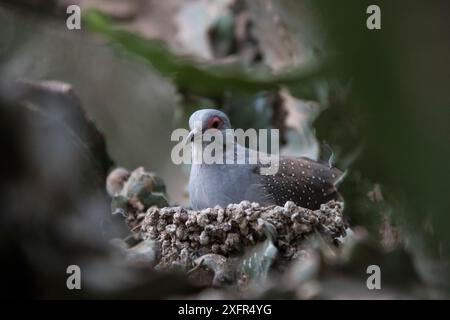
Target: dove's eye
<point>215,123</point>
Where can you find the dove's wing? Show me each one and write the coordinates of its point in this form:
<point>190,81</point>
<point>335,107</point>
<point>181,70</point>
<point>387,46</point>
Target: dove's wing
<point>306,182</point>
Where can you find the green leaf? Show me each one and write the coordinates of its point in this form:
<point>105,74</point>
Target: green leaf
<point>200,78</point>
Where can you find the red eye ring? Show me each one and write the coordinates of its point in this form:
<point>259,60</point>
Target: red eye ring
<point>215,123</point>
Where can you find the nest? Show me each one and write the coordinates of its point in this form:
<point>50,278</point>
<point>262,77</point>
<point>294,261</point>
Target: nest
<point>175,237</point>
<point>183,236</point>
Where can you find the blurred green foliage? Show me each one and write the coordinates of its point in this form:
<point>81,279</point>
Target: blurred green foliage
<point>398,109</point>
<point>194,77</point>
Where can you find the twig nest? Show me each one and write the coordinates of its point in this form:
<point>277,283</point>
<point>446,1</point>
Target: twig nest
<point>184,236</point>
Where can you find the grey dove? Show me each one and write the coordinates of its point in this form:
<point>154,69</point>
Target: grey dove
<point>306,182</point>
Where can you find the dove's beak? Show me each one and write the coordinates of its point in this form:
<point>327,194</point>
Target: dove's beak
<point>190,137</point>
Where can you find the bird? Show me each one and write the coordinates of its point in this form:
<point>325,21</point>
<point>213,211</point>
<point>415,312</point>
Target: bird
<point>306,182</point>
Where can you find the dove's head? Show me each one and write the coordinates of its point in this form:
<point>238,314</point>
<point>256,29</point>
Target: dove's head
<point>209,120</point>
